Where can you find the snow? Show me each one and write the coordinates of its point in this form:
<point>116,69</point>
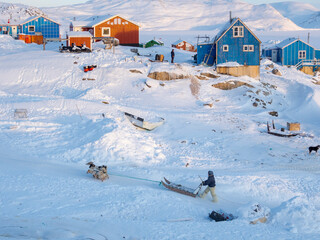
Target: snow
<point>229,64</point>
<point>79,34</point>
<point>45,191</point>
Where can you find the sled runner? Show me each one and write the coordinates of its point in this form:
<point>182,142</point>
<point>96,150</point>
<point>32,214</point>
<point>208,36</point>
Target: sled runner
<point>181,189</point>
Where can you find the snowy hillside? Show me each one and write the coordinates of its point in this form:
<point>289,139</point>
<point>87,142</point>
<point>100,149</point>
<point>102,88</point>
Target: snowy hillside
<point>16,13</point>
<point>303,14</point>
<point>163,15</point>
<point>215,124</point>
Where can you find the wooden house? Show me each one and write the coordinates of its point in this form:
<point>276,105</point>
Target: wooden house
<point>152,43</point>
<point>183,45</point>
<point>40,25</point>
<point>235,50</point>
<point>110,26</point>
<point>295,52</point>
<point>80,39</point>
<point>8,29</point>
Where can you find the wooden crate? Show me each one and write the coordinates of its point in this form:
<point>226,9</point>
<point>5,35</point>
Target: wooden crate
<point>293,126</point>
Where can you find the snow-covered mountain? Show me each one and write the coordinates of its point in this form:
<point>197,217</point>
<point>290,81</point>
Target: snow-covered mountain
<point>162,15</point>
<point>15,13</point>
<point>303,14</point>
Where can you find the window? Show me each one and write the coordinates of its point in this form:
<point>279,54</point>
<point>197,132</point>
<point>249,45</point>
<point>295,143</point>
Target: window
<point>106,32</point>
<point>225,48</point>
<point>238,31</point>
<point>251,48</point>
<point>31,29</point>
<point>245,48</point>
<point>4,29</point>
<point>302,54</point>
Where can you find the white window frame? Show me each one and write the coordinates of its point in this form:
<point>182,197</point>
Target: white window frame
<point>303,53</point>
<point>238,31</point>
<point>251,48</point>
<point>4,29</point>
<point>245,48</point>
<point>106,35</point>
<point>34,28</point>
<point>225,48</point>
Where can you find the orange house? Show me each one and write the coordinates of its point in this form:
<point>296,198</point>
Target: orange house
<point>110,26</point>
<point>183,45</point>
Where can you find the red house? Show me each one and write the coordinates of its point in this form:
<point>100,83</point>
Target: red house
<point>110,26</point>
<point>80,39</point>
<point>183,45</point>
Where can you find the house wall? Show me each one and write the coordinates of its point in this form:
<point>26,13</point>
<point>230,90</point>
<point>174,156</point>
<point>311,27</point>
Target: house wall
<point>202,50</point>
<point>78,41</point>
<point>4,29</point>
<point>48,28</point>
<point>290,53</point>
<point>236,53</point>
<point>125,31</point>
<point>184,46</point>
<point>317,54</point>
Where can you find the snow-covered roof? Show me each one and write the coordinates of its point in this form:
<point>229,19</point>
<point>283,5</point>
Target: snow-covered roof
<point>286,42</point>
<point>177,42</point>
<point>94,20</point>
<point>79,34</point>
<point>34,18</point>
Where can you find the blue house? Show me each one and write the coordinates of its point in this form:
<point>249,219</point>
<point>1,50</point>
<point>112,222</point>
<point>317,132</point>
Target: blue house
<point>40,25</point>
<point>11,30</point>
<point>295,52</point>
<point>235,44</point>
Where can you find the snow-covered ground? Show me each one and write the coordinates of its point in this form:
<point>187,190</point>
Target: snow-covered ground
<point>46,193</point>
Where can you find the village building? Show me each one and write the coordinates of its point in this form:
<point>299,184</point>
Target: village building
<point>235,51</point>
<point>183,45</point>
<point>295,52</point>
<point>114,26</point>
<point>151,43</point>
<point>80,39</point>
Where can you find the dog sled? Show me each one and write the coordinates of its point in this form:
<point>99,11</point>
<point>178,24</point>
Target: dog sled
<point>142,124</point>
<point>282,132</point>
<point>181,189</point>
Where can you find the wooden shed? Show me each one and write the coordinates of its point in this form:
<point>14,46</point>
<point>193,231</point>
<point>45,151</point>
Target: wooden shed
<point>80,39</point>
<point>110,26</point>
<point>183,45</point>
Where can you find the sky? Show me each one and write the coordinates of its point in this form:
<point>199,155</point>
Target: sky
<point>51,3</point>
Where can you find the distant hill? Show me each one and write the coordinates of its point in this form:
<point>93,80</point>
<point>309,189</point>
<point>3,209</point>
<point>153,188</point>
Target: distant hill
<point>15,13</point>
<point>303,14</point>
<point>161,15</point>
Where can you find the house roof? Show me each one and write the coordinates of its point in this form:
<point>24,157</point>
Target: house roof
<point>34,18</point>
<point>228,26</point>
<point>177,42</point>
<point>79,34</point>
<point>289,41</point>
<point>95,20</point>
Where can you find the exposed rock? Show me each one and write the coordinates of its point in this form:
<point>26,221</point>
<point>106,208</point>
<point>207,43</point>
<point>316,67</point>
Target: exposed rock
<point>274,113</point>
<point>165,76</point>
<point>202,78</point>
<point>231,85</point>
<point>276,72</point>
<point>208,104</point>
<point>135,71</point>
<point>255,104</point>
<point>209,75</point>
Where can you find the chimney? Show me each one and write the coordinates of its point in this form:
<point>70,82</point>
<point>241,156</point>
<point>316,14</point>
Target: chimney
<point>230,13</point>
<point>308,37</point>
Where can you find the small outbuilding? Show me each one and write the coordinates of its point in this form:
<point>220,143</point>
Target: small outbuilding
<point>183,45</point>
<point>80,39</point>
<point>152,43</point>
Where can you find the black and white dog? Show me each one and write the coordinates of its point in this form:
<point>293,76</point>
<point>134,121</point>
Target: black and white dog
<point>316,148</point>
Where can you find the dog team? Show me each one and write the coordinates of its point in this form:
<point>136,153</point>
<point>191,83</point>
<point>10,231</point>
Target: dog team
<point>98,172</point>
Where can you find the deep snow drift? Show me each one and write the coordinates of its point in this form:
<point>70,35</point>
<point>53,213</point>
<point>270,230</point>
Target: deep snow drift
<point>46,193</point>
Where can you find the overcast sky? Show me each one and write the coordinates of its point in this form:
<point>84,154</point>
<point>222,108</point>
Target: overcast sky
<point>50,3</point>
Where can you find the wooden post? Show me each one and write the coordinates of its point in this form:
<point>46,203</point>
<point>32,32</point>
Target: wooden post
<point>44,44</point>
<point>273,125</point>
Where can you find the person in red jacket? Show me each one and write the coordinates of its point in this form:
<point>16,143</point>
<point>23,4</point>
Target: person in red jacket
<point>211,183</point>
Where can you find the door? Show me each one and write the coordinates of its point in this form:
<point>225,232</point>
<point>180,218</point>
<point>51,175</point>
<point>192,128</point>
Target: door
<point>14,31</point>
<point>274,57</point>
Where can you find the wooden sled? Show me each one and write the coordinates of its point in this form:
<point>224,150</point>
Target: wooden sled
<point>181,189</point>
<point>140,123</point>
